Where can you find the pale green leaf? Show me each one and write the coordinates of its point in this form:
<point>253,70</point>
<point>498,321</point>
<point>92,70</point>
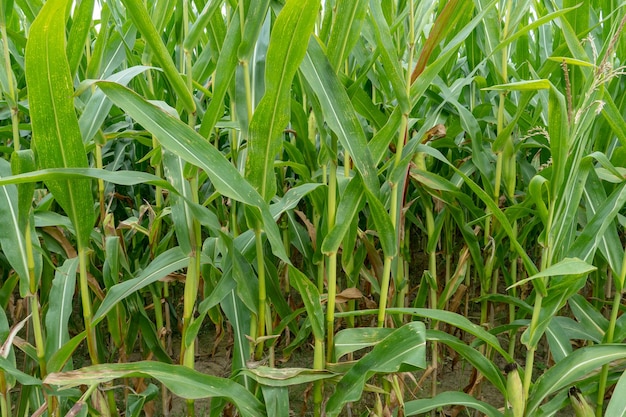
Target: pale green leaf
<point>182,381</point>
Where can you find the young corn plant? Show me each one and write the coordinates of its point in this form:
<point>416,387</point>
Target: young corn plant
<point>343,194</point>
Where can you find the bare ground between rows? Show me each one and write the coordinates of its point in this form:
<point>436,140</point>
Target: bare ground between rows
<point>453,375</point>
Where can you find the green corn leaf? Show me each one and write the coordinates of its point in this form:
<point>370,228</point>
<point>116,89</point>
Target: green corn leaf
<point>486,367</point>
<point>351,340</point>
<point>239,317</point>
<point>100,43</point>
<point>351,203</point>
<point>81,24</point>
<point>115,177</point>
<point>285,52</point>
<point>166,263</point>
<point>224,72</point>
<point>127,178</point>
<point>224,288</point>
<point>60,306</point>
<point>613,117</point>
<point>252,27</point>
<point>560,290</point>
<point>140,17</point>
<point>136,401</point>
<point>236,268</point>
<point>617,404</point>
<point>148,334</point>
<point>493,207</point>
<point>99,106</point>
<point>311,298</point>
<point>391,63</point>
<point>531,85</point>
<point>12,238</point>
<point>61,357</point>
<point>22,162</point>
<point>379,144</point>
<point>115,53</point>
<point>56,135</point>
<point>455,320</point>
<point>201,23</point>
<point>570,61</point>
<point>384,227</point>
<point>182,381</point>
<point>567,267</point>
<point>346,29</point>
<point>609,243</point>
<point>535,187</point>
<point>245,241</point>
<point>338,112</point>
<point>406,345</point>
<point>111,276</point>
<point>590,319</point>
<point>182,217</point>
<point>420,407</point>
<point>558,340</point>
<point>568,371</point>
<point>592,235</point>
<point>8,368</point>
<point>276,400</point>
<point>183,141</point>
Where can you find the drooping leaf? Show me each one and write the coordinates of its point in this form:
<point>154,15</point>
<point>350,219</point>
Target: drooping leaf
<point>285,377</point>
<point>182,381</point>
<point>406,345</point>
<point>419,407</point>
<point>577,365</point>
<point>183,141</point>
<point>166,263</point>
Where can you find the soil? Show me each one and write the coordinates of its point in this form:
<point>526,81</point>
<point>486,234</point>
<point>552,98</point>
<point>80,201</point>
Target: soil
<point>453,376</point>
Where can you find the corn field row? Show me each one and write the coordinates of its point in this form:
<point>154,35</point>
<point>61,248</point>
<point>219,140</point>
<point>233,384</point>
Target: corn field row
<point>377,187</point>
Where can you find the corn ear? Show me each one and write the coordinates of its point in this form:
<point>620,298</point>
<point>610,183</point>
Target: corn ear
<point>515,390</point>
<point>579,403</point>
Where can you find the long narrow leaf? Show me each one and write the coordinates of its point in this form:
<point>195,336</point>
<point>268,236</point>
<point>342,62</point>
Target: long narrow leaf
<point>406,345</point>
<point>12,238</point>
<point>338,112</point>
<point>140,17</point>
<point>574,367</point>
<point>60,307</point>
<point>166,263</point>
<point>182,381</point>
<point>56,135</point>
<point>284,54</point>
<point>183,141</point>
<point>423,406</point>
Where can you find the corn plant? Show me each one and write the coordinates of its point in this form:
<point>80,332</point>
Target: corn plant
<point>371,186</point>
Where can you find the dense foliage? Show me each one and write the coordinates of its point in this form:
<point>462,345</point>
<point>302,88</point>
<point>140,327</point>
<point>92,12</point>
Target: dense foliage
<point>377,185</point>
